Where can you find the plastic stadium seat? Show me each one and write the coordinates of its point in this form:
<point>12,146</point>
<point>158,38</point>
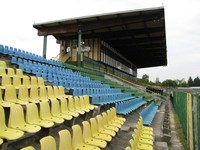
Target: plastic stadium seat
<point>34,97</point>
<point>4,103</point>
<point>23,93</point>
<point>16,81</point>
<point>10,95</point>
<point>28,148</point>
<point>43,93</point>
<point>88,139</point>
<point>83,105</point>
<point>40,81</point>
<point>78,141</point>
<point>141,139</point>
<point>16,120</point>
<point>34,80</point>
<point>72,106</point>
<point>45,113</point>
<point>3,64</point>
<point>56,112</point>
<point>57,93</point>
<point>32,116</point>
<point>10,72</point>
<point>50,92</point>
<point>5,132</point>
<point>87,103</point>
<point>26,81</point>
<point>5,80</point>
<point>20,73</point>
<point>140,122</point>
<point>114,115</point>
<point>62,92</point>
<point>65,109</point>
<point>14,60</point>
<point>101,127</point>
<point>112,121</point>
<point>65,141</point>
<point>107,125</point>
<point>48,143</point>
<point>95,132</point>
<point>2,71</point>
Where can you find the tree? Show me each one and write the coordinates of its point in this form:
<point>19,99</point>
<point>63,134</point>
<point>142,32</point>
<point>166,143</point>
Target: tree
<point>190,82</point>
<point>169,83</point>
<point>145,78</point>
<point>196,81</point>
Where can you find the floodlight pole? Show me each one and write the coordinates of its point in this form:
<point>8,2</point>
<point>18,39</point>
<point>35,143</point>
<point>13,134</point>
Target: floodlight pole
<point>45,46</point>
<point>79,48</point>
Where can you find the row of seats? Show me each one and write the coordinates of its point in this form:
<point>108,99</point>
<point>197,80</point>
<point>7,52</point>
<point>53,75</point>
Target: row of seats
<point>142,137</point>
<point>126,107</point>
<point>27,55</point>
<point>93,135</point>
<point>104,99</point>
<point>149,113</point>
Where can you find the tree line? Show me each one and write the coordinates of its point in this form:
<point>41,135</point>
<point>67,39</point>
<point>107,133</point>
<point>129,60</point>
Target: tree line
<point>171,83</point>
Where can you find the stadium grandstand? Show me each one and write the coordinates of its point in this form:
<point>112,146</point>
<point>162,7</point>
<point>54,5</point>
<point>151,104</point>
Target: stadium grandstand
<point>87,97</point>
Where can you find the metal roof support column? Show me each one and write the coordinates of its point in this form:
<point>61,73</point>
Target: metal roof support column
<point>45,46</point>
<point>79,47</point>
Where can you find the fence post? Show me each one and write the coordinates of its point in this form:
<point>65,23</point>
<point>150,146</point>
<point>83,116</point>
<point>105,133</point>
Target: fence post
<point>189,122</point>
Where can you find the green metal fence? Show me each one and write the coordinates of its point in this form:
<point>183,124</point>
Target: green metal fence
<point>180,102</point>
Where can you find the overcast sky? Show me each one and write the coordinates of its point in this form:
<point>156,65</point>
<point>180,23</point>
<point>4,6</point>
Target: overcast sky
<point>182,19</point>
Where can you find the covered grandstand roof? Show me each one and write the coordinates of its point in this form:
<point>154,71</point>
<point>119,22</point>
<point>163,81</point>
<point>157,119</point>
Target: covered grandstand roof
<point>138,35</point>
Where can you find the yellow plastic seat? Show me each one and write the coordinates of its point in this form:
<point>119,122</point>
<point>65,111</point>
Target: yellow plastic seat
<point>96,134</point>
<point>65,141</point>
<point>48,143</point>
<point>5,132</point>
<point>65,109</point>
<point>62,92</point>
<point>112,122</point>
<point>4,103</point>
<point>26,81</point>
<point>56,112</point>
<point>16,81</point>
<point>2,71</point>
<point>82,104</point>
<point>88,139</point>
<point>28,148</point>
<point>45,113</point>
<point>111,118</point>
<point>114,115</point>
<point>101,127</point>
<point>87,103</point>
<point>16,120</point>
<point>57,93</point>
<point>32,116</point>
<point>11,96</point>
<point>107,125</point>
<point>43,93</point>
<point>78,104</point>
<point>5,80</point>
<point>77,140</point>
<point>143,140</point>
<point>23,93</point>
<point>128,148</point>
<point>72,107</point>
<point>138,145</point>
<point>40,81</point>
<point>34,80</point>
<point>139,126</point>
<point>3,64</point>
<point>34,97</point>
<point>20,73</point>
<point>10,72</point>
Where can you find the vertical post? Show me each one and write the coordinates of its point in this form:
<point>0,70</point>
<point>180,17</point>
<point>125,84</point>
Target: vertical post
<point>79,48</point>
<point>45,46</point>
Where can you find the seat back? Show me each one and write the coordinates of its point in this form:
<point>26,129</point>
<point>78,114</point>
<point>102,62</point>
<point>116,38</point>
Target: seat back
<point>34,80</point>
<point>77,137</point>
<point>82,102</point>
<point>105,118</point>
<point>86,130</point>
<point>99,122</point>
<point>45,110</point>
<point>61,90</point>
<point>10,93</point>
<point>31,113</point>
<point>77,103</point>
<point>43,92</point>
<point>34,92</point>
<point>48,143</point>
<point>26,81</point>
<point>63,105</point>
<point>5,80</point>
<point>2,118</point>
<point>50,92</point>
<point>65,142</point>
<point>19,72</point>
<point>16,81</point>
<point>55,106</point>
<point>16,117</point>
<point>94,127</point>
<point>2,71</point>
<point>71,104</point>
<point>3,64</point>
<point>40,81</point>
<point>10,72</point>
<point>23,93</point>
<point>56,91</point>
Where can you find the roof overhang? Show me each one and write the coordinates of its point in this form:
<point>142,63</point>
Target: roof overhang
<point>138,35</point>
